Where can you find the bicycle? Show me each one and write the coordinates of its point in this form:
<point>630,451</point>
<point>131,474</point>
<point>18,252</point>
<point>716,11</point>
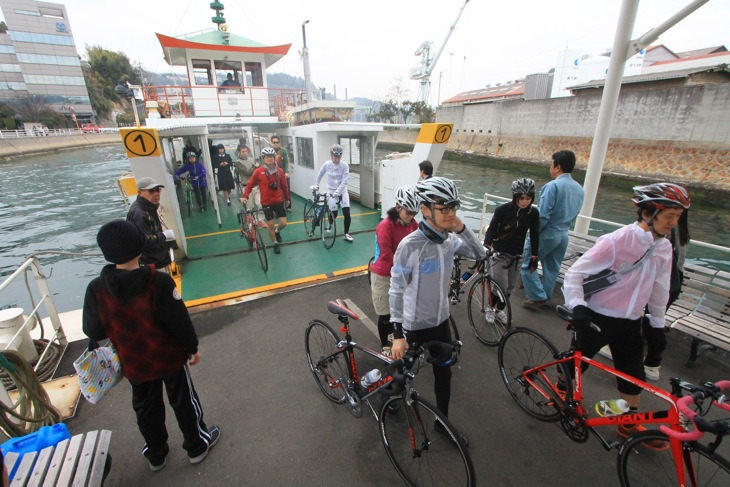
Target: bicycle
<point>422,444</point>
<point>685,461</point>
<point>240,186</point>
<point>188,190</point>
<point>250,224</point>
<point>484,298</point>
<point>530,367</point>
<point>316,213</point>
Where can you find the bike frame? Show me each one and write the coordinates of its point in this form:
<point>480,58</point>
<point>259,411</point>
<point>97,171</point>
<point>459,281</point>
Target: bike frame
<point>669,416</point>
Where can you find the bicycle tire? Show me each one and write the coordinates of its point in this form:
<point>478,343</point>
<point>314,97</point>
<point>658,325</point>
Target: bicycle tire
<point>370,262</point>
<point>260,249</point>
<point>309,209</point>
<point>639,465</point>
<point>484,297</point>
<point>189,200</point>
<point>328,232</point>
<point>440,459</point>
<point>523,349</point>
<point>326,362</point>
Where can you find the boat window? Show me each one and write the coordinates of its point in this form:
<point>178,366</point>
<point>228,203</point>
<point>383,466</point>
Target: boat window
<point>305,152</point>
<point>351,148</point>
<point>202,72</point>
<point>228,76</point>
<point>254,76</point>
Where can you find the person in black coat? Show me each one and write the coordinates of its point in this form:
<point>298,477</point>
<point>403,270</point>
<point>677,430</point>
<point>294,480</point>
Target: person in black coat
<point>507,231</point>
<point>223,163</point>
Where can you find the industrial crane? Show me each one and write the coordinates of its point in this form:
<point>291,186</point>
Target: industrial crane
<point>423,71</point>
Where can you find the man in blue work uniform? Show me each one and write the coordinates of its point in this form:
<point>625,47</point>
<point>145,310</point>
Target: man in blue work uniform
<point>560,202</point>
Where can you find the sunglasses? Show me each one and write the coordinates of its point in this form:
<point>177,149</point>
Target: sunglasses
<point>445,210</point>
<point>412,213</point>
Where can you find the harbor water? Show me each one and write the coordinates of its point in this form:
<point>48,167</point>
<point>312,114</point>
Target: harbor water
<point>56,202</point>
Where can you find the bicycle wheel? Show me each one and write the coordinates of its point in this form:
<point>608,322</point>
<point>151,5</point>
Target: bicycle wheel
<point>638,465</point>
<point>522,349</point>
<point>260,249</point>
<point>488,321</point>
<point>189,200</point>
<point>328,228</point>
<point>309,209</point>
<point>423,446</point>
<point>327,363</point>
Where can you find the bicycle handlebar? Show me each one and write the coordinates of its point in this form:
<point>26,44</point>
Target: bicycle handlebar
<point>702,425</point>
<point>438,352</point>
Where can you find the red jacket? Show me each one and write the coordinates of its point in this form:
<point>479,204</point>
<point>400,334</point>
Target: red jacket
<point>264,181</point>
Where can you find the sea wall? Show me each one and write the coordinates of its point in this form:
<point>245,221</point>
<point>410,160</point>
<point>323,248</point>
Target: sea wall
<point>11,148</point>
<point>683,132</point>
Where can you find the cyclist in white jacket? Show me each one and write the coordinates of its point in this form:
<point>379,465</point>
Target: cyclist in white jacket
<point>419,307</point>
<point>337,172</point>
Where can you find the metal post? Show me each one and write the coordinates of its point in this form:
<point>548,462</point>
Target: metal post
<point>609,100</point>
<point>305,61</point>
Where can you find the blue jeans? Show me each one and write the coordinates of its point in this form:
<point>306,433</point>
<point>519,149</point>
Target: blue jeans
<point>552,251</point>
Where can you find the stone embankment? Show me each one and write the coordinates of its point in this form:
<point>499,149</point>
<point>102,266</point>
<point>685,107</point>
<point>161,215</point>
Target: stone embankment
<point>11,148</point>
<point>694,164</point>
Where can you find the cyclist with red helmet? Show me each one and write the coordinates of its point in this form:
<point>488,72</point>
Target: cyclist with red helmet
<point>641,258</point>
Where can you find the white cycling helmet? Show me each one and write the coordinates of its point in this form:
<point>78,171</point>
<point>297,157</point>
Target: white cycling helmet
<point>336,150</point>
<point>405,197</point>
<point>267,151</point>
<point>437,190</point>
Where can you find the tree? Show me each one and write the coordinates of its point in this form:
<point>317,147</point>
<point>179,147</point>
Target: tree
<point>422,112</point>
<point>110,67</point>
<point>387,112</point>
<point>31,107</point>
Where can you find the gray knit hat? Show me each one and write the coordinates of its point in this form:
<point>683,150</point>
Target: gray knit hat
<point>120,241</point>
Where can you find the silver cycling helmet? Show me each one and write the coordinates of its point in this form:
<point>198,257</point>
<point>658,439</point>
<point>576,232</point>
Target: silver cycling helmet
<point>523,186</point>
<point>267,151</point>
<point>336,150</point>
<point>437,190</point>
<point>405,197</point>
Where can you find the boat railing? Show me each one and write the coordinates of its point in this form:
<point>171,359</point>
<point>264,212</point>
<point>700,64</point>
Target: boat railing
<point>22,134</point>
<point>217,101</point>
<point>484,223</point>
<point>58,337</point>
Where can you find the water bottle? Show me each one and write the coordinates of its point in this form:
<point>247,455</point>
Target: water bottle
<point>466,276</point>
<point>370,378</point>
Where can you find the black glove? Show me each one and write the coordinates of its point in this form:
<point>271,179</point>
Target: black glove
<point>532,266</point>
<point>582,317</point>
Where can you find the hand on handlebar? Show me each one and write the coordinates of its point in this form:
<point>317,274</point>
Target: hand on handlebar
<point>583,318</point>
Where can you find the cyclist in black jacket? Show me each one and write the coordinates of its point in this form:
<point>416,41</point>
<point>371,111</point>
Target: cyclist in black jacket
<point>506,236</point>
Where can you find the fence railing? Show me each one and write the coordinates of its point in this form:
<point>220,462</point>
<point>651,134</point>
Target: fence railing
<point>21,134</point>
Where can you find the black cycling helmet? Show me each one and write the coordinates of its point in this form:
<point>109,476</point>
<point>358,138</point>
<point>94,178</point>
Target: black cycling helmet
<point>523,186</point>
<point>661,196</point>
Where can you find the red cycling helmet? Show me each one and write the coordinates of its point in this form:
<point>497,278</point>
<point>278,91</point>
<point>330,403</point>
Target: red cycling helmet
<point>661,196</point>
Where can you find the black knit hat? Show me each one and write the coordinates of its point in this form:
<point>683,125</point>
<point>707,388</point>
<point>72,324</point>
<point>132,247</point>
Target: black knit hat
<point>120,241</point>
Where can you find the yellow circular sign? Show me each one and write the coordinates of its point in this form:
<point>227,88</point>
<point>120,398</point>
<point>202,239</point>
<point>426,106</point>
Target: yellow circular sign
<point>443,133</point>
<point>141,143</point>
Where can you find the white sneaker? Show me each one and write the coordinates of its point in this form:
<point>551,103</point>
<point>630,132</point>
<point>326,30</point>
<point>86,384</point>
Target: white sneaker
<point>489,314</point>
<point>348,237</point>
<point>502,316</point>
<point>652,373</point>
<point>606,352</point>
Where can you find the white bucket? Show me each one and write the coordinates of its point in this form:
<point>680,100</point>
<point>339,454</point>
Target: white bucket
<point>11,320</point>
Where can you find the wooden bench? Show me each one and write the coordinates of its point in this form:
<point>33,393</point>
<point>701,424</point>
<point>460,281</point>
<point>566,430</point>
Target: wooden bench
<point>78,461</point>
<point>703,310</point>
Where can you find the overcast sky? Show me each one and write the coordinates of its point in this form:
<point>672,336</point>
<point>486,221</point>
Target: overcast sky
<point>366,46</point>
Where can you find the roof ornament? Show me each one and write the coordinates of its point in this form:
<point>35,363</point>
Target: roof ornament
<point>220,20</point>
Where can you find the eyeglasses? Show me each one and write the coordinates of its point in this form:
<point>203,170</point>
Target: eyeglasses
<point>445,210</point>
<point>525,197</point>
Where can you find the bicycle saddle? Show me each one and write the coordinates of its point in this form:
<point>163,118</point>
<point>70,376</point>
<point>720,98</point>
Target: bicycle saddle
<point>339,307</point>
